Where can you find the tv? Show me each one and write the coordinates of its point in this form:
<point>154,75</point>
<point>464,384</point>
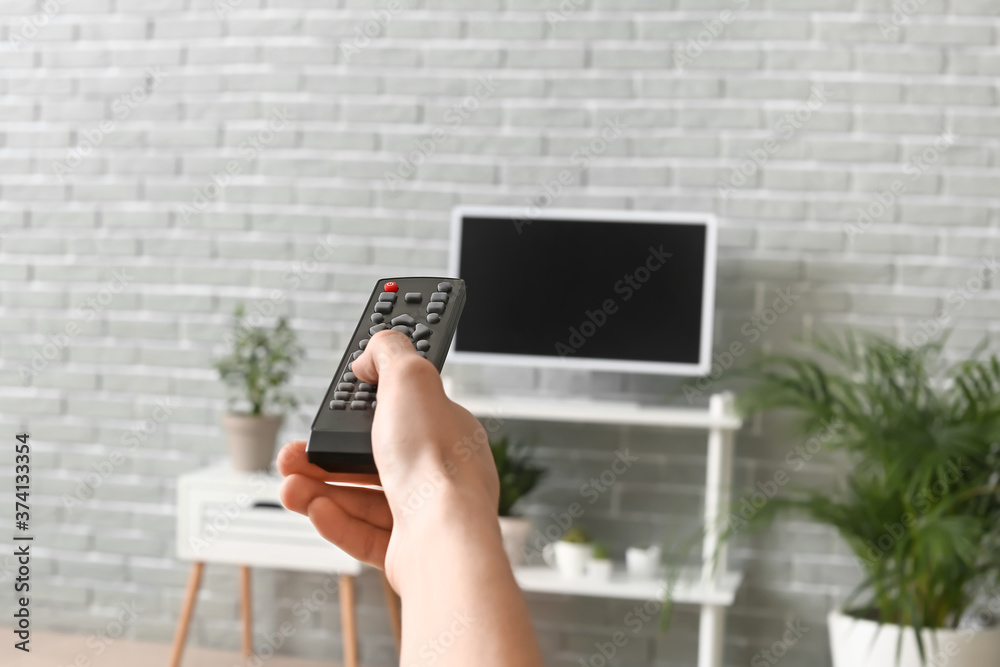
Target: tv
<point>622,291</point>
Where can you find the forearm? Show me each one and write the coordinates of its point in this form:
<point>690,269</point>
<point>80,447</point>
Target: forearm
<point>461,604</point>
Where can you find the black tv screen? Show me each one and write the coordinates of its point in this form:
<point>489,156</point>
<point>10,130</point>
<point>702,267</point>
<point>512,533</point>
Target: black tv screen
<point>600,290</point>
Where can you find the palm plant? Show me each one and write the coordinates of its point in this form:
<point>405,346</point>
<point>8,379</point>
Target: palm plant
<point>517,474</point>
<point>920,508</point>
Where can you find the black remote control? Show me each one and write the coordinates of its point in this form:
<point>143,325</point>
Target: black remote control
<point>425,309</point>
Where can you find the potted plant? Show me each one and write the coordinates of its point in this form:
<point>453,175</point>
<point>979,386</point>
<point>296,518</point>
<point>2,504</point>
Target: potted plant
<point>919,509</point>
<point>571,553</point>
<point>599,566</point>
<point>517,477</point>
<point>256,370</point>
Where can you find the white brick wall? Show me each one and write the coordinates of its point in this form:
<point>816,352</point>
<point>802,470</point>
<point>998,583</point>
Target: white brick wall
<point>563,68</point>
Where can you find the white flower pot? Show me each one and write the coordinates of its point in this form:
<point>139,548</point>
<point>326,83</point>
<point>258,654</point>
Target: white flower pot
<point>861,643</point>
<point>251,440</point>
<point>642,562</point>
<point>569,558</point>
<point>514,531</point>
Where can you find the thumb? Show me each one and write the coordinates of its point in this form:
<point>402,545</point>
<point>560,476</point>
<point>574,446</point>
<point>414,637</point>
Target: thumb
<point>385,350</point>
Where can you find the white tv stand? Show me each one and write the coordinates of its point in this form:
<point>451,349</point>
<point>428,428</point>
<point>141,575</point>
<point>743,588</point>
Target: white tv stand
<point>711,588</point>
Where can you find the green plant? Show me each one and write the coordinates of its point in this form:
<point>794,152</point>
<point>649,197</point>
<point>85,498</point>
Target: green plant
<point>575,535</point>
<point>259,365</point>
<point>920,507</point>
<point>517,474</point>
<point>601,551</point>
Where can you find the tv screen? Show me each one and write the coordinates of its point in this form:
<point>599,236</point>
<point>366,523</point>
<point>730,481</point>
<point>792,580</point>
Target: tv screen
<point>621,291</point>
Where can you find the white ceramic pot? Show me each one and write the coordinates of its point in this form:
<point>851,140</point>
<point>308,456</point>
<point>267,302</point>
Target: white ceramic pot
<point>861,643</point>
<point>515,532</point>
<point>569,558</point>
<point>251,440</point>
<point>642,563</point>
<point>599,568</point>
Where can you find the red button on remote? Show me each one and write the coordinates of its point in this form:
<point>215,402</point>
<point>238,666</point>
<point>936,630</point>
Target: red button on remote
<point>391,287</point>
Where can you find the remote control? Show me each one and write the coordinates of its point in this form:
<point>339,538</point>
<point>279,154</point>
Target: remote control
<point>425,309</point>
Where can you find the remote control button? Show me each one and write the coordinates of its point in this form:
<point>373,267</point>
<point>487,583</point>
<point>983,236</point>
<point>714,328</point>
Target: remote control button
<point>345,386</point>
<point>375,329</point>
<point>444,287</point>
<point>422,353</point>
<point>363,396</point>
<point>359,405</point>
<point>406,331</point>
<point>387,297</point>
<point>363,344</point>
<point>435,307</point>
<point>358,353</point>
<point>374,403</point>
<point>405,320</point>
<point>439,296</point>
<point>422,331</point>
<point>377,318</point>
<point>383,307</point>
<point>391,287</point>
<point>342,395</point>
<point>349,377</point>
<point>364,386</point>
<point>413,297</point>
<point>423,345</point>
<point>338,405</point>
<point>433,318</point>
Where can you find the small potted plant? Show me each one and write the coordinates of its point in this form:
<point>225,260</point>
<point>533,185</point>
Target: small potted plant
<point>571,553</point>
<point>599,566</point>
<point>920,505</point>
<point>517,477</point>
<point>256,371</point>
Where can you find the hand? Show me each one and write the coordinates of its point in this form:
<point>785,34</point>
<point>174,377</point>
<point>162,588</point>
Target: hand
<point>434,529</point>
<point>432,456</point>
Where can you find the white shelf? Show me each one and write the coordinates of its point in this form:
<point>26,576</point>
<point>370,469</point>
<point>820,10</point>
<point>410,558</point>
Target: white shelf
<point>689,589</point>
<point>713,590</point>
<point>597,412</point>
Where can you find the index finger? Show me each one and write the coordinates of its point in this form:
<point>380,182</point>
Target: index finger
<point>292,460</point>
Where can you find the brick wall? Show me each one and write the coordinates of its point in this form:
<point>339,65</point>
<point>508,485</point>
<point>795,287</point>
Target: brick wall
<point>850,150</point>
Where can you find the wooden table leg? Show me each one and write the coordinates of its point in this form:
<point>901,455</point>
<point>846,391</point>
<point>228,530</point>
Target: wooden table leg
<point>246,612</point>
<point>187,611</point>
<point>347,622</point>
<point>392,604</point>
